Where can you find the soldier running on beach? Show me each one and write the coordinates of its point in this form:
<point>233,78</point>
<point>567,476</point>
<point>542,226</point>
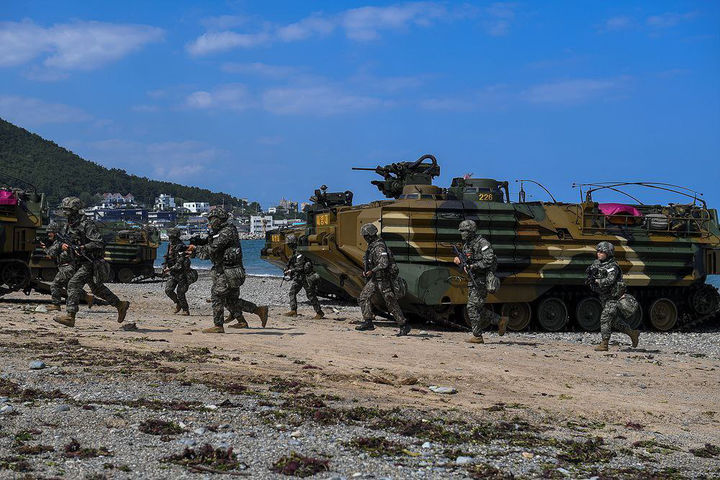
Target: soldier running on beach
<point>177,265</point>
<point>66,269</point>
<point>301,272</point>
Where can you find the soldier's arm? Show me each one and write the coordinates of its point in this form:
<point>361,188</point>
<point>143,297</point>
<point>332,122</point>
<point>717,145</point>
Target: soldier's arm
<point>382,259</point>
<point>612,276</point>
<point>485,256</point>
<point>54,250</point>
<point>94,239</point>
<point>224,240</point>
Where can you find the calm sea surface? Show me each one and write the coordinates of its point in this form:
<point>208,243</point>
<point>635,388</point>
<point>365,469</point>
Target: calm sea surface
<point>251,259</point>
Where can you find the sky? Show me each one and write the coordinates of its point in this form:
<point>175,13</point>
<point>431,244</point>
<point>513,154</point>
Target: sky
<point>265,100</point>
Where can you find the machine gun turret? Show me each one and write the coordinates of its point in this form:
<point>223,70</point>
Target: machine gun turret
<point>323,200</point>
<point>397,175</point>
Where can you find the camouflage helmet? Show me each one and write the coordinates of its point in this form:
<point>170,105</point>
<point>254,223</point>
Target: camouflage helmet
<point>53,228</point>
<point>218,213</point>
<point>468,226</point>
<point>71,203</point>
<point>368,230</point>
<point>174,233</point>
<point>291,240</point>
<point>606,247</point>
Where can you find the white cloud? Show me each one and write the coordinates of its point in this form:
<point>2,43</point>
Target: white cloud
<point>670,19</point>
<point>317,100</point>
<point>212,42</point>
<point>72,46</point>
<point>359,24</point>
<point>223,22</point>
<point>570,91</point>
<point>174,161</point>
<point>498,18</point>
<point>25,111</point>
<point>621,22</point>
<point>260,69</point>
<point>227,97</point>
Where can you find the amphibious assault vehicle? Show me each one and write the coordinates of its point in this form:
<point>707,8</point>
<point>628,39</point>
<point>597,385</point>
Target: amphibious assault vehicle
<point>129,250</point>
<point>543,248</point>
<point>20,217</point>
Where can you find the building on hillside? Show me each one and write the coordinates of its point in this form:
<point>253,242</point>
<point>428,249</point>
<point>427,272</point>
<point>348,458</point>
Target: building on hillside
<point>288,206</point>
<point>129,214</point>
<point>116,198</point>
<point>272,210</point>
<point>197,207</point>
<point>162,218</point>
<point>164,202</point>
<point>261,224</point>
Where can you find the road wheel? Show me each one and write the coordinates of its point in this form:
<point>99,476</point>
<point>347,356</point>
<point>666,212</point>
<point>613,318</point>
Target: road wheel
<point>125,275</point>
<point>663,314</point>
<point>552,314</point>
<point>587,314</point>
<point>519,315</point>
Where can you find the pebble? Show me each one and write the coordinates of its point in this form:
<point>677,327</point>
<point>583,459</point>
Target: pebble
<point>296,434</point>
<point>6,409</point>
<point>37,365</point>
<point>427,445</point>
<point>564,471</point>
<point>62,408</point>
<point>527,455</point>
<point>41,309</point>
<point>4,400</point>
<point>445,390</point>
<point>464,460</point>
<point>200,431</point>
<point>188,442</point>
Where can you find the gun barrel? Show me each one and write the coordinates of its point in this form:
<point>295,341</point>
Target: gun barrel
<point>367,169</point>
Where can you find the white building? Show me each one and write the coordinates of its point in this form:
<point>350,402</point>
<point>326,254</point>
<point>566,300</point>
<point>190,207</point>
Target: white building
<point>164,202</point>
<point>260,224</point>
<point>197,207</point>
<point>272,210</point>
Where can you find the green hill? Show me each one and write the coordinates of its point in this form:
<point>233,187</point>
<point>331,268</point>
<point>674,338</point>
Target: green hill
<point>59,172</point>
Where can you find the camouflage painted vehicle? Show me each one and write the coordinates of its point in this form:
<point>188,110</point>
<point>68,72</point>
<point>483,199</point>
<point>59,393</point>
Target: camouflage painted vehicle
<point>543,249</point>
<point>20,217</point>
<point>130,252</point>
<point>278,253</point>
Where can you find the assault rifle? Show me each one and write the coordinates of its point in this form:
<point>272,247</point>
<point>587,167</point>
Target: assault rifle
<point>464,265</point>
<point>595,273</point>
<point>74,248</point>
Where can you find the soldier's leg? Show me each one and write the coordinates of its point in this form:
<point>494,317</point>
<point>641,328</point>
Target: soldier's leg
<point>295,287</point>
<point>364,300</point>
<point>170,286</point>
<point>607,318</point>
<point>59,283</point>
<point>218,293</point>
<point>386,289</point>
<point>75,287</point>
<point>182,288</point>
<point>474,308</point>
<point>100,290</point>
<point>312,296</point>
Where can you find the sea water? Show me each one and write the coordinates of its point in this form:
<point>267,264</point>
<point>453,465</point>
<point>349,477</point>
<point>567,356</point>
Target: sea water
<point>254,265</point>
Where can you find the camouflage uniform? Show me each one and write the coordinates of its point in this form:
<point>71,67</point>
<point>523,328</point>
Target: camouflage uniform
<point>66,269</point>
<point>178,265</point>
<point>379,261</point>
<point>223,238</point>
<point>480,258</point>
<point>606,279</point>
<point>301,271</point>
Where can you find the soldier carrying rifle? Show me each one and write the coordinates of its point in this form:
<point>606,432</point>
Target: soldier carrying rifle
<point>477,259</point>
<point>302,274</point>
<point>177,265</point>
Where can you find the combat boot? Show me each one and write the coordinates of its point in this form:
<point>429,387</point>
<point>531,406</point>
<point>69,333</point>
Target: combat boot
<point>319,315</point>
<point>262,312</point>
<point>368,325</point>
<point>241,323</point>
<point>53,308</point>
<point>634,337</point>
<point>475,339</point>
<point>404,330</point>
<point>122,310</point>
<point>177,308</point>
<point>129,327</point>
<point>89,300</point>
<point>68,319</point>
<point>603,347</point>
<point>502,325</point>
<point>185,313</point>
<point>214,329</point>
<point>291,313</point>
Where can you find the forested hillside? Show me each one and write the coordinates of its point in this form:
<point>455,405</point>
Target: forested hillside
<point>59,172</point>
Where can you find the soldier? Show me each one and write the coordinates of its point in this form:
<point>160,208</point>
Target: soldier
<point>177,264</point>
<point>66,268</point>
<point>301,272</point>
<point>380,270</point>
<point>605,279</point>
<point>480,259</point>
<point>82,239</point>
<point>223,249</point>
